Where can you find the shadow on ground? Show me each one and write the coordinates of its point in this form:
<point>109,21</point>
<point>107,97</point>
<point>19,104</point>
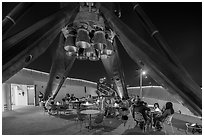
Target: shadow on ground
<point>137,131</point>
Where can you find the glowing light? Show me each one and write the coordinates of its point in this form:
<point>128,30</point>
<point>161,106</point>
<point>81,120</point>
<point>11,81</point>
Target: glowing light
<point>143,72</point>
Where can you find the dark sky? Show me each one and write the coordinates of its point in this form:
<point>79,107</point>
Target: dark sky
<point>181,26</point>
<point>179,23</point>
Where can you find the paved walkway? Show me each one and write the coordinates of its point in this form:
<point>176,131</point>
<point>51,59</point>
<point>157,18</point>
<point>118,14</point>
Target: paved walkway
<point>33,121</point>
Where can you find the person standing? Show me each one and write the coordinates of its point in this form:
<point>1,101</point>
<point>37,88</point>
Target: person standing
<point>40,96</point>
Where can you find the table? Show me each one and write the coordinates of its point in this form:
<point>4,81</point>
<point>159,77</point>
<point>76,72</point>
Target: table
<point>150,106</point>
<point>87,104</point>
<point>60,108</point>
<point>90,112</point>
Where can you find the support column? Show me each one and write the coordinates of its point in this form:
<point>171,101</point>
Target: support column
<point>141,84</point>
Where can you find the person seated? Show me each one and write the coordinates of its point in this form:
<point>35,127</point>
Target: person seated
<point>40,96</point>
<point>90,99</point>
<point>116,107</point>
<point>107,107</point>
<point>124,105</point>
<point>167,112</point>
<point>63,101</point>
<point>133,100</point>
<point>64,104</point>
<point>98,102</point>
<point>157,110</point>
<point>51,107</point>
<point>72,98</point>
<point>58,103</point>
<point>137,101</point>
<point>144,110</point>
<point>124,110</point>
<point>48,105</point>
<point>118,100</point>
<point>83,99</point>
<point>147,113</point>
<point>102,104</point>
<point>112,107</point>
<point>67,97</point>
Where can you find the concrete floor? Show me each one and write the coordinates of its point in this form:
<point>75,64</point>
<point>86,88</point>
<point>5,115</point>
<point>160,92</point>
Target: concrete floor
<point>33,121</point>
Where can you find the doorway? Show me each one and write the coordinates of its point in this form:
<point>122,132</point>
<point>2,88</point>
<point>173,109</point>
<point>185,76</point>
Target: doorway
<point>31,95</point>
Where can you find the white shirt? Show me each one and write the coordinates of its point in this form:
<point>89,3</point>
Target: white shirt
<point>157,109</point>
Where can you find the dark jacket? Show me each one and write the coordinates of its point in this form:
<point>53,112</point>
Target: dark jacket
<point>142,109</point>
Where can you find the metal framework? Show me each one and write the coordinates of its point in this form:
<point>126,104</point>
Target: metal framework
<point>96,30</point>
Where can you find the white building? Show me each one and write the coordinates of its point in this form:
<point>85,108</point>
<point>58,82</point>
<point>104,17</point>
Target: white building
<point>24,87</point>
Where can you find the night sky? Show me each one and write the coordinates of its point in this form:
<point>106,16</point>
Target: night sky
<point>180,24</point>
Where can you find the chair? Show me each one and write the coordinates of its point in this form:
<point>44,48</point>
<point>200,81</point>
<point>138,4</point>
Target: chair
<point>45,110</point>
<point>168,120</point>
<point>80,119</point>
<point>193,128</point>
<point>140,119</point>
<point>63,108</point>
<point>99,119</point>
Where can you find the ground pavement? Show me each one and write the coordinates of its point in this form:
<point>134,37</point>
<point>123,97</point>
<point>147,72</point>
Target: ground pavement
<point>33,121</point>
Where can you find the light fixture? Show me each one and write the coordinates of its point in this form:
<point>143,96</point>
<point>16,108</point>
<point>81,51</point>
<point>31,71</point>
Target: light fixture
<point>143,72</point>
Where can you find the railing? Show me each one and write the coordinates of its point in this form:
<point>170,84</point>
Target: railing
<point>106,90</point>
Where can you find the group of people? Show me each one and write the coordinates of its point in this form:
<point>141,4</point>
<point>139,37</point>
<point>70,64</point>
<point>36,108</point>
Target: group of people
<point>69,97</point>
<point>115,106</point>
<point>158,114</point>
<point>50,104</point>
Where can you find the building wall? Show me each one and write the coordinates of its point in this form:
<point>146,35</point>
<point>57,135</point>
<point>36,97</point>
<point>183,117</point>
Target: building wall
<point>68,87</point>
<point>78,91</point>
<point>6,97</point>
<point>3,97</point>
<point>40,79</point>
